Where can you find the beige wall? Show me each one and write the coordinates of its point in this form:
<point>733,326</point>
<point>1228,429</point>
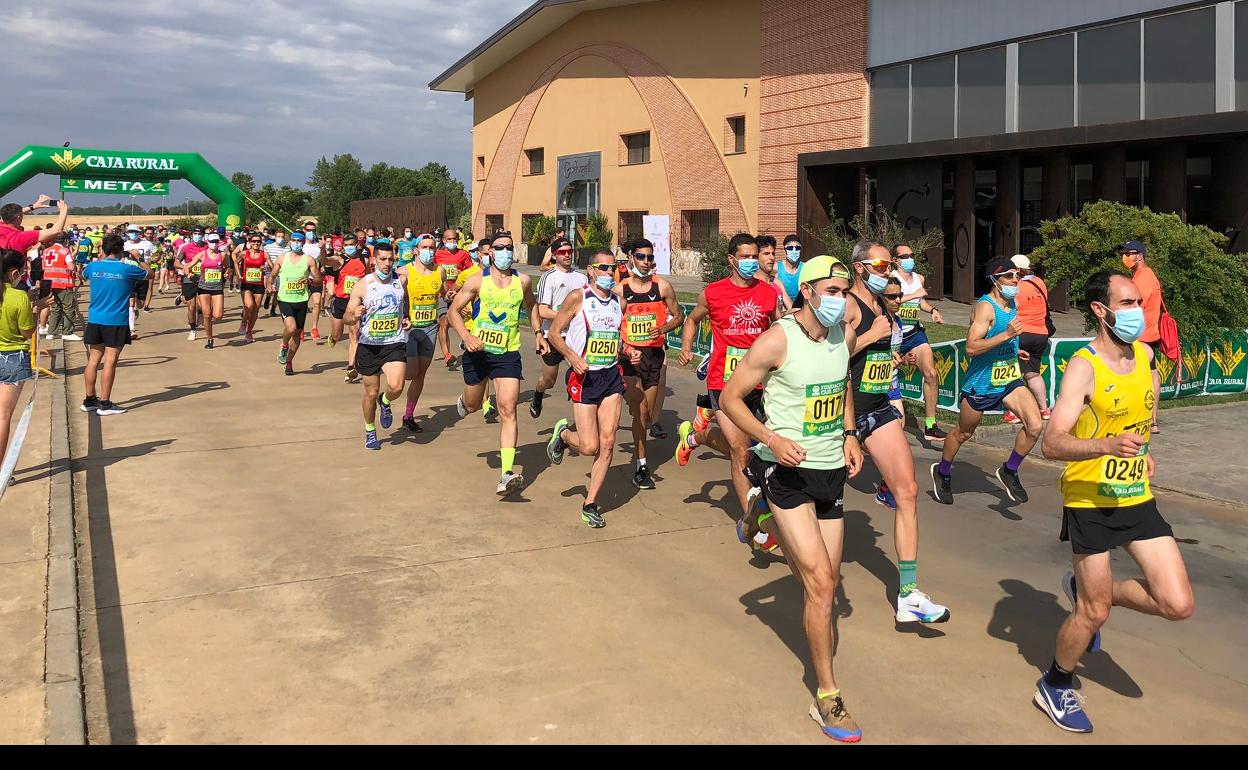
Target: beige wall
<point>592,101</point>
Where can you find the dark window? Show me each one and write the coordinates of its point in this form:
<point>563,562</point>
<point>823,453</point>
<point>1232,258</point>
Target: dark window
<point>1109,74</point>
<point>947,223</point>
<point>1201,204</point>
<point>638,146</point>
<point>931,102</point>
<point>1030,217</point>
<point>890,105</point>
<point>630,226</point>
<point>1137,190</point>
<point>736,134</point>
<point>985,223</point>
<point>1081,192</point>
<point>537,161</point>
<point>480,168</point>
<point>1241,56</point>
<point>697,225</point>
<point>1179,64</point>
<point>981,92</point>
<point>493,223</point>
<point>1046,83</point>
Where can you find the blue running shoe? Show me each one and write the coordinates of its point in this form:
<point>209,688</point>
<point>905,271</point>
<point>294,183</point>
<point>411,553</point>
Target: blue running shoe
<point>1068,586</point>
<point>370,440</point>
<point>387,414</point>
<point>282,355</point>
<point>704,368</point>
<point>1064,706</point>
<point>885,497</point>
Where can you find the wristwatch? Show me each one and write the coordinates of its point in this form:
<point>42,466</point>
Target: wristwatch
<point>852,432</point>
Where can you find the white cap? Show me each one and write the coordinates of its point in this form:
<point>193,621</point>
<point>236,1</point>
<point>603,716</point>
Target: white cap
<point>1021,261</point>
<point>212,237</point>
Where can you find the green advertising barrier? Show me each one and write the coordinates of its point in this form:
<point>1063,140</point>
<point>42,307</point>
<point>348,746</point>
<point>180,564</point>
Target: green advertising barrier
<point>701,343</point>
<point>1060,352</point>
<point>1228,362</point>
<point>1185,377</point>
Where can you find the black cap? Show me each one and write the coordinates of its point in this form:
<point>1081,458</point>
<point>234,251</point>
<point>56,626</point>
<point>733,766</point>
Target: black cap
<point>1132,246</point>
<point>999,265</point>
<point>559,243</point>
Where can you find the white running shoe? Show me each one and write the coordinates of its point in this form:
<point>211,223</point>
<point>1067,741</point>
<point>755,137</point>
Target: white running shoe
<point>49,336</point>
<point>190,335</point>
<point>509,483</point>
<point>44,330</point>
<point>71,338</point>
<point>459,407</point>
<point>918,608</point>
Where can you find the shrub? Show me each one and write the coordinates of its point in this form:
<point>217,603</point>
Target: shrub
<point>882,226</point>
<point>541,229</point>
<point>597,233</point>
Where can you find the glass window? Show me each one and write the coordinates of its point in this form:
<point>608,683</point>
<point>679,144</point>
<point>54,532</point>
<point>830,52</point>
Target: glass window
<point>1179,64</point>
<point>890,105</point>
<point>1137,192</point>
<point>697,226</point>
<point>493,223</point>
<point>735,140</point>
<point>1201,204</point>
<point>630,227</point>
<point>638,146</point>
<point>985,224</point>
<point>1030,217</point>
<point>1109,74</point>
<point>537,161</point>
<point>1081,192</point>
<point>981,92</point>
<point>1241,56</point>
<point>931,99</point>
<point>1046,83</point>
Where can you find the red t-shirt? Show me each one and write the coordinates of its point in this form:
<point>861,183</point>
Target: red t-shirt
<point>16,238</point>
<point>455,262</point>
<point>738,315</point>
<point>352,270</point>
<point>58,267</point>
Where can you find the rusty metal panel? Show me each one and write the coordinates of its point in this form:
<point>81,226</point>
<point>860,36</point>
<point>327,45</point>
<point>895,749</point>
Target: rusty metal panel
<point>424,213</point>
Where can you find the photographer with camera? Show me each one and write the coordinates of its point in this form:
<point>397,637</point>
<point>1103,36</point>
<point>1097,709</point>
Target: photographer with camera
<point>12,236</point>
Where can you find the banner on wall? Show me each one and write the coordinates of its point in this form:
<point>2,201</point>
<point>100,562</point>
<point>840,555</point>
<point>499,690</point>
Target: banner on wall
<point>657,229</point>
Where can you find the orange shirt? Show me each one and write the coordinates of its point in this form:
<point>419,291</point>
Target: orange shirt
<point>1150,293</point>
<point>1032,303</point>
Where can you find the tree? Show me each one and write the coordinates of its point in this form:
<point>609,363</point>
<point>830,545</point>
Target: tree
<point>285,205</point>
<point>882,226</point>
<point>334,185</point>
<point>1206,289</point>
<point>247,183</point>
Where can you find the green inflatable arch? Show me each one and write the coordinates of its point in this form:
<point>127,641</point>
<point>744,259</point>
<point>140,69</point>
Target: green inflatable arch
<point>81,163</point>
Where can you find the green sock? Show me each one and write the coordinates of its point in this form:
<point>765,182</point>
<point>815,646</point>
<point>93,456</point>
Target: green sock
<point>385,399</point>
<point>368,426</point>
<point>931,422</point>
<point>821,695</point>
<point>509,458</point>
<point>909,571</point>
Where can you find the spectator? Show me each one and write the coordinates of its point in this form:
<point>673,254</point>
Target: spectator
<point>548,260</point>
<point>1032,302</point>
<point>17,326</point>
<point>1146,282</point>
<point>108,327</point>
<point>58,268</point>
<point>12,236</point>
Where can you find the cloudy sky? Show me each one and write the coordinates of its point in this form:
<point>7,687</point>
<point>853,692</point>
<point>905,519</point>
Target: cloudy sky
<point>263,86</point>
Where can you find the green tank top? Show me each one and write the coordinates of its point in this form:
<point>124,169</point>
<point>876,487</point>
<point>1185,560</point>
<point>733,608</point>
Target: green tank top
<point>497,322</point>
<point>805,398</point>
<point>292,280</point>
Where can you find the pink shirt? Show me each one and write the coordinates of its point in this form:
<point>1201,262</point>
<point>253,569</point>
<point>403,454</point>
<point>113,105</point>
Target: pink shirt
<point>16,238</point>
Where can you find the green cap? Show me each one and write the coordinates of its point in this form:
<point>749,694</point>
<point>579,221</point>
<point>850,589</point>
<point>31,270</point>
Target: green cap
<point>818,268</point>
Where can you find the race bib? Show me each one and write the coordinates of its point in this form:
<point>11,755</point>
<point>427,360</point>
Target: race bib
<point>732,357</point>
<point>602,348</point>
<point>253,275</point>
<point>877,372</point>
<point>423,315</point>
<point>348,282</point>
<point>909,312</point>
<point>197,269</point>
<point>383,324</point>
<point>212,275</point>
<point>296,286</point>
<point>1123,477</point>
<point>1004,372</point>
<point>825,408</point>
<point>640,326</point>
<point>493,336</point>
<point>451,271</point>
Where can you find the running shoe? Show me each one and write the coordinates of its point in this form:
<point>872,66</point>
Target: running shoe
<point>1069,588</point>
<point>49,336</point>
<point>1064,706</point>
<point>208,346</point>
<point>556,447</point>
<point>1011,418</point>
<point>488,412</point>
<point>641,478</point>
<point>316,334</point>
<point>411,425</point>
<point>71,338</point>
<point>370,440</point>
<point>290,368</point>
<point>177,302</point>
<point>44,331</point>
<point>90,404</point>
<point>942,485</point>
<point>459,407</point>
<point>683,450</point>
<point>250,337</point>
<point>834,720</point>
<point>387,414</point>
<point>352,376</point>
<point>509,482</point>
<point>884,496</point>
<point>242,328</point>
<point>535,407</point>
<point>591,514</point>
<point>657,433</point>
<point>148,310</point>
<point>1045,414</point>
<point>331,342</point>
<point>452,363</point>
<point>282,355</point>
<point>917,607</point>
<point>108,407</point>
<point>747,525</point>
<point>190,335</point>
<point>935,435</point>
<point>1013,486</point>
<point>702,420</point>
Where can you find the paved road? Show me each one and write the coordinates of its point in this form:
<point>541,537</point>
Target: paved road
<point>251,573</point>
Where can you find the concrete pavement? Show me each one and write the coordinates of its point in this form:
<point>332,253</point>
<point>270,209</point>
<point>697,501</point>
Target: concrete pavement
<point>251,574</point>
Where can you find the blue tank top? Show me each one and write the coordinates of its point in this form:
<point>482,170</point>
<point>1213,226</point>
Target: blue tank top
<point>990,372</point>
<point>789,280</point>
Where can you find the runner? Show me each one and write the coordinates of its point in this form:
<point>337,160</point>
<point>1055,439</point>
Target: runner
<point>914,337</point>
<point>480,253</point>
<point>740,308</point>
<point>376,309</point>
<point>872,367</point>
<point>591,317</point>
<point>277,249</point>
<point>646,298</point>
<point>789,268</point>
<point>291,275</point>
<point>493,347</point>
<point>251,264</point>
<point>405,248</point>
<point>767,269</point>
<point>112,286</point>
<point>554,285</point>
<point>425,284</point>
<point>188,262</point>
<point>316,285</point>
<point>1100,427</point>
<point>992,382</point>
<point>138,253</point>
<point>210,265</point>
<point>452,260</point>
<point>804,456</point>
<point>354,267</point>
<point>152,261</point>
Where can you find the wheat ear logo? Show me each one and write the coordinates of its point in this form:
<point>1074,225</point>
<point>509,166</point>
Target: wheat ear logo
<point>1164,367</point>
<point>1193,361</point>
<point>1227,357</point>
<point>66,160</point>
<point>944,365</point>
<point>908,370</point>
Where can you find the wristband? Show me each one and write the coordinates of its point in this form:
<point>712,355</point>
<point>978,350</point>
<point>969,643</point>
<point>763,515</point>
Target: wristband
<point>770,439</point>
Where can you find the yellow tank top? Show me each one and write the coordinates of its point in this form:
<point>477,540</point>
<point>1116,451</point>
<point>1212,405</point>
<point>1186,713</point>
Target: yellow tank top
<point>1121,403</point>
<point>497,322</point>
<point>422,297</point>
<point>460,280</point>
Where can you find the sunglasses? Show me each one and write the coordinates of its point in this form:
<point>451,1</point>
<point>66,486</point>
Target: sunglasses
<point>606,268</point>
<point>878,264</point>
<point>564,252</point>
<point>640,255</point>
<point>1012,274</point>
<point>892,297</point>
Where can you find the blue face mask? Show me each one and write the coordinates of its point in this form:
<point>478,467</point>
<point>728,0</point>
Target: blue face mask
<point>747,268</point>
<point>426,256</point>
<point>605,282</point>
<point>197,238</point>
<point>349,250</point>
<point>877,283</point>
<point>371,241</point>
<point>1008,292</point>
<point>907,264</point>
<point>296,246</point>
<point>502,259</point>
<point>382,276</point>
<point>793,255</point>
<point>1128,324</point>
<point>452,246</point>
<point>830,310</point>
<point>310,234</point>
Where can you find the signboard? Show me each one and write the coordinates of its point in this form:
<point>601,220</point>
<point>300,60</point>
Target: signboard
<point>1228,363</point>
<point>113,186</point>
<point>657,229</point>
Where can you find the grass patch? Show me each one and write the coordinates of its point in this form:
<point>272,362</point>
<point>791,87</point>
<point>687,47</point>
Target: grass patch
<point>1226,398</point>
<point>688,297</point>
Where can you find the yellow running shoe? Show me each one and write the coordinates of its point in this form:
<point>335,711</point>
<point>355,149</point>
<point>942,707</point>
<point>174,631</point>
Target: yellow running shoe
<point>683,450</point>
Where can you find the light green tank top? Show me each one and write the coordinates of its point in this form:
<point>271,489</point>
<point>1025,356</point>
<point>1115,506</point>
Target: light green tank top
<point>805,398</point>
<point>292,280</point>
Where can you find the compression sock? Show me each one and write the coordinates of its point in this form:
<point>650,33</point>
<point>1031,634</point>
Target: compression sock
<point>409,410</point>
<point>370,427</point>
<point>641,463</point>
<point>508,455</point>
<point>909,575</point>
<point>930,422</point>
<point>1015,460</point>
<point>385,399</point>
<point>946,467</point>
<point>1058,676</point>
